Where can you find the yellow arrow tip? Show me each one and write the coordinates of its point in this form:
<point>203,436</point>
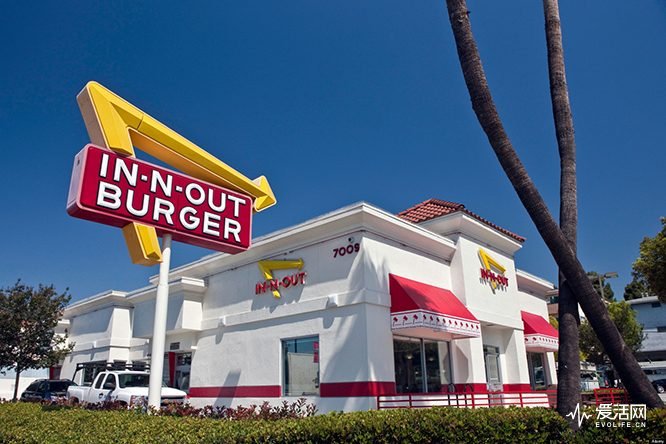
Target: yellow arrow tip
<point>261,203</point>
<point>142,244</point>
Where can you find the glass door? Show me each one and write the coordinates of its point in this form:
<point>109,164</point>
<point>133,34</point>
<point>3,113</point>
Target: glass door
<point>493,374</point>
<point>437,365</point>
<point>421,365</point>
<point>408,365</point>
<point>537,372</point>
<point>182,373</point>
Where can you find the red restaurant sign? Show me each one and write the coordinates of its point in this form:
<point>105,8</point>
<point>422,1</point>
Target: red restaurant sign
<point>499,279</point>
<point>117,190</point>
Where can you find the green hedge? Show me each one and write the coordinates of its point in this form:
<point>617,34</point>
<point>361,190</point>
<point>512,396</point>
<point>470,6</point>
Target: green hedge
<point>654,431</point>
<point>33,423</point>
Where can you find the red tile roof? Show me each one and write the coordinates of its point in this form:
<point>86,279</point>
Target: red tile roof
<point>434,208</point>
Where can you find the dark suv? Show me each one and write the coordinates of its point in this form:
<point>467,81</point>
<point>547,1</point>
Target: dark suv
<point>47,390</point>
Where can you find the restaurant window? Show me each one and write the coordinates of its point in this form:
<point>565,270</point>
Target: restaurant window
<point>537,369</point>
<point>301,366</point>
<point>421,366</point>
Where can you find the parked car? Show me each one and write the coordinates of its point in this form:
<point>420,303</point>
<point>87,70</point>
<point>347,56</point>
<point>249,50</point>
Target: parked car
<point>47,390</point>
<point>659,385</point>
<point>588,381</point>
<point>125,386</point>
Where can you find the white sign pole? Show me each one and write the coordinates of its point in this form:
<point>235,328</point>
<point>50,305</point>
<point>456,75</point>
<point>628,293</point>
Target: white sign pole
<point>159,327</point>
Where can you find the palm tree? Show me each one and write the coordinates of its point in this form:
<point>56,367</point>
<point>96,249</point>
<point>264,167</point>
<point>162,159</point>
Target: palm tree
<point>568,375</point>
<point>635,380</point>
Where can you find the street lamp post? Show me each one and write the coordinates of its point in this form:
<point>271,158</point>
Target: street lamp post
<point>601,277</point>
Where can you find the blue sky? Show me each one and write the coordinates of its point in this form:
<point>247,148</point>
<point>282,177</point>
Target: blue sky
<point>334,102</point>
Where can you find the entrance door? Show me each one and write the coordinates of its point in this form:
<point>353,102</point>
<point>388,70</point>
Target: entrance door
<point>537,371</point>
<point>421,365</point>
<point>182,373</point>
<point>493,374</point>
<point>408,365</point>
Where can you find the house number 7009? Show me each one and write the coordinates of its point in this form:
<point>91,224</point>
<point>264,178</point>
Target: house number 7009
<point>349,249</point>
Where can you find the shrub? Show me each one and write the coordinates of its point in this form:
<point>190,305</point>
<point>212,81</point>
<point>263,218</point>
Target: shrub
<point>295,410</point>
<point>654,430</point>
<point>32,423</point>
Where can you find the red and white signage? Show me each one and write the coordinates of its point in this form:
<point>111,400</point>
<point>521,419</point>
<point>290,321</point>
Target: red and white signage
<point>278,284</point>
<point>497,279</point>
<point>117,190</point>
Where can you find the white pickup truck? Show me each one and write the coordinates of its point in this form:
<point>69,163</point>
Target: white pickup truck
<point>125,386</point>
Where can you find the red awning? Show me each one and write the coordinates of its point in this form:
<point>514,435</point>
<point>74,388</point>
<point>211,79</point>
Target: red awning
<point>539,334</point>
<point>415,304</point>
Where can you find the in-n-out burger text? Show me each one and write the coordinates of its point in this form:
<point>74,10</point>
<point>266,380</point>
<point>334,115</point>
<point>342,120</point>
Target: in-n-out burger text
<point>488,275</point>
<point>117,190</point>
<point>277,284</point>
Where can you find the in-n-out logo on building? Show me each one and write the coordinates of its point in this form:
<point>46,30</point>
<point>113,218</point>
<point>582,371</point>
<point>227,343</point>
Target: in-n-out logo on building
<point>273,284</point>
<point>492,271</point>
<point>613,415</point>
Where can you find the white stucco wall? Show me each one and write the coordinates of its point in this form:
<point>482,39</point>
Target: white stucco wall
<point>104,334</point>
<point>535,304</point>
<point>495,306</point>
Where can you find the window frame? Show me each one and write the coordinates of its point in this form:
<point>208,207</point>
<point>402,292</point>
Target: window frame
<point>284,364</point>
<point>423,364</point>
<point>531,370</point>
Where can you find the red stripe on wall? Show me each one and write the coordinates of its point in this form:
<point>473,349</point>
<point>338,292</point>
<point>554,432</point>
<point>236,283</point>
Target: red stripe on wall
<point>245,391</point>
<point>364,388</point>
<point>330,390</point>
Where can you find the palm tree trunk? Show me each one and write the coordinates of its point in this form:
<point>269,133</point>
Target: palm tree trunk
<point>568,374</point>
<point>635,380</point>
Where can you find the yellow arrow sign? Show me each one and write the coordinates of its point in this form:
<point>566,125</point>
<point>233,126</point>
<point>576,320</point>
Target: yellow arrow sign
<point>267,268</point>
<point>489,263</point>
<point>114,123</point>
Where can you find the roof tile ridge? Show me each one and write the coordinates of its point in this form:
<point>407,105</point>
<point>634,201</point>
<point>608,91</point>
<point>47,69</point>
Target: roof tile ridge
<point>448,203</point>
<point>418,205</point>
